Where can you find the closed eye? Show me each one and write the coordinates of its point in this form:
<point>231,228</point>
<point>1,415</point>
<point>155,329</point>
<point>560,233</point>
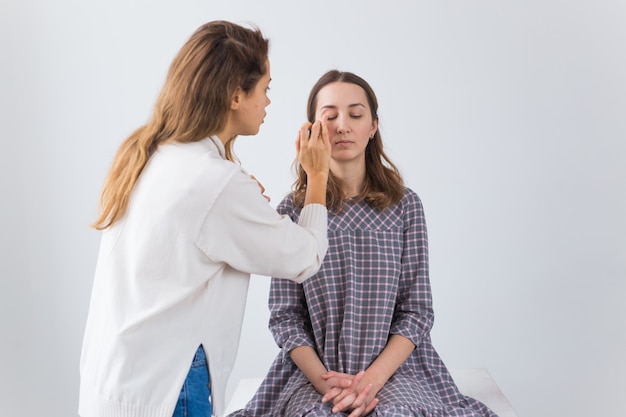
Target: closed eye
<point>329,115</point>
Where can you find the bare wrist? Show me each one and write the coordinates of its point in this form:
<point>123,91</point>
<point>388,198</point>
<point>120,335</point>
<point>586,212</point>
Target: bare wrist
<point>319,177</point>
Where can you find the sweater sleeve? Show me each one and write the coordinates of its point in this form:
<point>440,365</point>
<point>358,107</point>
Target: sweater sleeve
<point>289,322</point>
<point>242,230</point>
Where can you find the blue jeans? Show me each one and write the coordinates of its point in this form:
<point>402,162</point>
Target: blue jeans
<point>195,395</point>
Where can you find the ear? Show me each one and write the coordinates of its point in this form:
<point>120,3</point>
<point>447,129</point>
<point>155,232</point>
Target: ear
<point>235,102</point>
<point>374,128</point>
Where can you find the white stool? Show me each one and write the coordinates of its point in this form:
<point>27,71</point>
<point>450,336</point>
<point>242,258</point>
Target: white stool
<point>475,382</point>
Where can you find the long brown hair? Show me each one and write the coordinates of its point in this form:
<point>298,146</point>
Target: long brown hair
<point>218,58</point>
<point>383,184</point>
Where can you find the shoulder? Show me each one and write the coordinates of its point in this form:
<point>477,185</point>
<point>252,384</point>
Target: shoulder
<point>287,206</point>
<point>190,174</point>
<point>201,155</point>
<point>201,163</point>
<point>411,205</point>
<point>410,198</point>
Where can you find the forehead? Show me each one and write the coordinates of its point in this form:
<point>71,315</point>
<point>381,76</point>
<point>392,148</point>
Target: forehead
<point>265,78</point>
<point>341,94</point>
<point>267,72</point>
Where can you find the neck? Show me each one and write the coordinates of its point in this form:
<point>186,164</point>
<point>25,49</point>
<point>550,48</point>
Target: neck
<point>224,137</point>
<point>227,133</point>
<point>352,177</point>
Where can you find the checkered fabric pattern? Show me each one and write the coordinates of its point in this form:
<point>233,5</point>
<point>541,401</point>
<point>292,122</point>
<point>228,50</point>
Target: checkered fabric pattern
<point>374,282</point>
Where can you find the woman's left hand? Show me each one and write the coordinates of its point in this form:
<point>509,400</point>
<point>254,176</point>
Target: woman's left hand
<point>350,393</point>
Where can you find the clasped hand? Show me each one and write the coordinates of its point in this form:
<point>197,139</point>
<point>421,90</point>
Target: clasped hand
<point>350,393</point>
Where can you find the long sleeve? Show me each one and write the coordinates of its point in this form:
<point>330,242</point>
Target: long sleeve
<point>413,316</point>
<point>246,233</point>
<point>289,319</point>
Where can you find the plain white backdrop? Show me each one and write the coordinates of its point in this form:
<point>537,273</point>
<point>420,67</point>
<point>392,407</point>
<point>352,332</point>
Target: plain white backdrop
<point>507,118</point>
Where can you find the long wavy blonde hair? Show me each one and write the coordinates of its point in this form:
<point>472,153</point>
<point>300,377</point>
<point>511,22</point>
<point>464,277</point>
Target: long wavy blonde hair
<point>383,185</point>
<point>218,58</point>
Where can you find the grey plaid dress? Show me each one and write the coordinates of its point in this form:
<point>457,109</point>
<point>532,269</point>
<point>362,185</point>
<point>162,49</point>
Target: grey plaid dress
<point>374,282</point>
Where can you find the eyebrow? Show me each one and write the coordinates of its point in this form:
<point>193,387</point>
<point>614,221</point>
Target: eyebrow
<point>331,106</point>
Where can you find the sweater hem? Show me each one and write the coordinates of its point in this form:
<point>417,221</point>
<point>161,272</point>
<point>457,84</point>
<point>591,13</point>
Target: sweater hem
<point>121,409</point>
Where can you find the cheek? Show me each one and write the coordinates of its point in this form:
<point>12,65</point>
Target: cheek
<point>361,130</point>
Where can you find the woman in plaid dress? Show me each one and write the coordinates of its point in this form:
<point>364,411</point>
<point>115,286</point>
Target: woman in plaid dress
<point>355,338</point>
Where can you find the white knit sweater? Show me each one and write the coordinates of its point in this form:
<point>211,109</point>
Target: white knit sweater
<point>173,274</point>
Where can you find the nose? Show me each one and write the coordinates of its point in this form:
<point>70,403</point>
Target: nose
<point>342,126</point>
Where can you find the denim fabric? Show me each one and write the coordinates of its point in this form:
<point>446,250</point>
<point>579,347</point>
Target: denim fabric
<point>195,395</point>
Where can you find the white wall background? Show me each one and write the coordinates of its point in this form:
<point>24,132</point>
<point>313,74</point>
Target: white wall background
<point>508,118</point>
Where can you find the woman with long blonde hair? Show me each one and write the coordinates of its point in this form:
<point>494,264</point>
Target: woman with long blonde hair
<point>183,227</point>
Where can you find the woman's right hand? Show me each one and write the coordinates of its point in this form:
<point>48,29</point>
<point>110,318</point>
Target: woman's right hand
<point>347,395</point>
<point>313,149</point>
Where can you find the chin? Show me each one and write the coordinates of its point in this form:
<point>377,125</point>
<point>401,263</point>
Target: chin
<point>250,132</point>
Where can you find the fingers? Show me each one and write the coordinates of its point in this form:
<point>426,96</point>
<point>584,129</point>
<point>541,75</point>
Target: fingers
<point>298,145</point>
<point>302,139</point>
<point>303,134</point>
<point>371,406</point>
<point>324,136</point>
<point>340,382</point>
<point>331,394</point>
<point>347,395</point>
<point>358,405</point>
<point>358,377</point>
<point>313,148</point>
<point>335,374</point>
<point>307,131</point>
<point>351,399</point>
<point>316,131</point>
<point>310,133</point>
<point>337,379</point>
<point>328,375</point>
<point>336,383</point>
<point>363,411</point>
<point>357,412</point>
<point>261,187</point>
<point>363,398</point>
<point>343,402</point>
<point>336,388</point>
